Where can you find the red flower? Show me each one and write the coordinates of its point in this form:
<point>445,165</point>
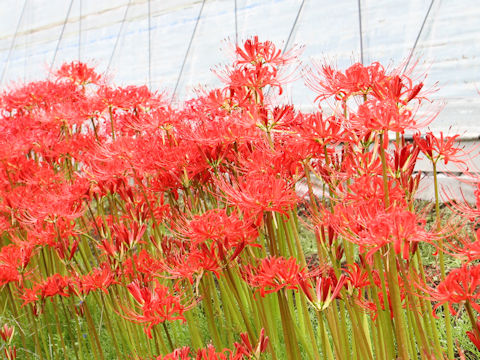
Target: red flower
<point>474,335</point>
<point>440,148</point>
<point>460,285</point>
<point>273,274</point>
<point>357,79</point>
<point>384,115</point>
<point>98,279</point>
<point>6,333</point>
<point>13,261</point>
<point>243,351</point>
<point>327,286</point>
<point>256,193</point>
<point>51,286</point>
<point>224,230</point>
<point>155,305</point>
<point>257,53</point>
<point>78,73</point>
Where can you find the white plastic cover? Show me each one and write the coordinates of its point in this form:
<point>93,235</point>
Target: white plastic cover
<point>448,45</point>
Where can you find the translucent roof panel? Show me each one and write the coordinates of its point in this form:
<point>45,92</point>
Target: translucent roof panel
<point>174,43</point>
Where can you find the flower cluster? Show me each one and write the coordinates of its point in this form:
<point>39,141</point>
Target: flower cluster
<point>154,227</point>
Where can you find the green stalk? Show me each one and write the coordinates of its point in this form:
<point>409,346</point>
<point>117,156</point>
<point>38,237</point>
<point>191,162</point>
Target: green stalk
<point>448,322</point>
<point>241,304</point>
<point>36,335</point>
<point>210,315</point>
<point>325,343</point>
<point>169,338</point>
<point>192,324</point>
<point>91,325</point>
<point>361,339</point>
<point>231,313</point>
<point>111,121</point>
<point>392,273</point>
<point>400,327</point>
<point>60,332</point>
<point>270,329</point>
<point>384,316</point>
<point>332,324</point>
<point>472,318</point>
<point>216,301</point>
<point>334,333</point>
<point>289,336</point>
<point>15,313</point>
<point>427,309</point>
<point>308,325</point>
<point>110,328</point>
<point>339,315</point>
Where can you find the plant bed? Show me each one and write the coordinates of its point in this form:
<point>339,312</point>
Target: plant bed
<point>135,229</point>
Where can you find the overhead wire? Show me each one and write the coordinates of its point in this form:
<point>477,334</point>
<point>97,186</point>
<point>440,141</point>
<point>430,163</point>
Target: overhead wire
<point>12,44</point>
<point>80,30</point>
<point>149,45</point>
<point>188,51</point>
<point>236,23</point>
<point>418,36</point>
<point>118,35</point>
<point>61,36</point>
<point>294,26</point>
<point>290,34</point>
<point>360,30</point>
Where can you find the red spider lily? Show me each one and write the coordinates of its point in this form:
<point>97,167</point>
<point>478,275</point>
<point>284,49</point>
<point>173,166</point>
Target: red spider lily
<point>474,335</point>
<point>6,333</point>
<point>357,79</point>
<point>463,247</point>
<point>366,187</point>
<point>207,353</point>
<point>177,354</point>
<point>273,274</point>
<point>128,98</point>
<point>79,73</point>
<point>123,239</point>
<point>37,97</point>
<point>440,148</point>
<point>405,159</point>
<point>142,266</point>
<point>255,80</point>
<point>9,274</point>
<point>397,88</point>
<point>257,193</point>
<point>10,352</point>
<point>257,66</point>
<point>371,307</point>
<point>243,351</point>
<point>465,209</point>
<point>372,227</point>
<point>226,231</point>
<point>52,286</point>
<point>258,53</point>
<point>402,228</point>
<point>319,129</point>
<point>384,115</point>
<point>356,278</point>
<point>47,196</point>
<point>155,305</point>
<point>181,261</point>
<point>13,262</point>
<point>460,285</point>
<point>245,348</point>
<point>98,279</point>
<point>327,287</point>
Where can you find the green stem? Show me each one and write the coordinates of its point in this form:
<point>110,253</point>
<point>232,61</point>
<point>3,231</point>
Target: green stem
<point>448,322</point>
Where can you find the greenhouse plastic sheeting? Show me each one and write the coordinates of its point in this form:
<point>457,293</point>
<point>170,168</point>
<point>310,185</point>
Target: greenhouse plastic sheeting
<point>114,36</point>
